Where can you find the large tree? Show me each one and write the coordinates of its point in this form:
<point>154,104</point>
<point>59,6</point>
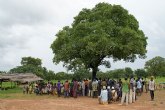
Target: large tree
<point>105,31</point>
<point>156,66</point>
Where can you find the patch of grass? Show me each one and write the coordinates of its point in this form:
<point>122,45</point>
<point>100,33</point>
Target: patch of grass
<point>159,80</point>
<point>17,93</point>
<point>8,84</point>
<point>8,93</point>
<point>13,90</point>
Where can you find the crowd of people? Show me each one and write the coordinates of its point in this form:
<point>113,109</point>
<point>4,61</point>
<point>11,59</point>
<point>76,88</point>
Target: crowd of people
<point>107,90</point>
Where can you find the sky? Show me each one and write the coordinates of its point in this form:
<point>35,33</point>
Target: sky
<point>28,28</point>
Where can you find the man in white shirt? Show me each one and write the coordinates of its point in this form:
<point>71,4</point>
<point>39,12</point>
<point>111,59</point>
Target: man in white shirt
<point>131,91</point>
<point>94,88</point>
<point>83,87</point>
<point>103,98</point>
<point>152,87</point>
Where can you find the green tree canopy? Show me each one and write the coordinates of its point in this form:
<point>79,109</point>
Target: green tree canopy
<point>81,74</point>
<point>31,61</point>
<point>141,73</point>
<point>33,65</point>
<point>118,73</point>
<point>128,72</point>
<point>156,66</point>
<point>2,71</point>
<point>105,31</point>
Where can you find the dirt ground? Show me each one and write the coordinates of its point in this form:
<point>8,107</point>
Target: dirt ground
<point>83,103</point>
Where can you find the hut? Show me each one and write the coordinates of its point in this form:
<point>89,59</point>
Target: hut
<point>19,77</point>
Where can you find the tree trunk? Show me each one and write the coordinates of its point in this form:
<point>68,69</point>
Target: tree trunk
<point>94,71</point>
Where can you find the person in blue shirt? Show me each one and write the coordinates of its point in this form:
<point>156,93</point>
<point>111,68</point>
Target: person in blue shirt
<point>59,88</point>
<point>139,86</point>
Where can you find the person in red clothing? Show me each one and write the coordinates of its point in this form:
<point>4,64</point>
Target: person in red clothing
<point>86,87</point>
<point>66,89</point>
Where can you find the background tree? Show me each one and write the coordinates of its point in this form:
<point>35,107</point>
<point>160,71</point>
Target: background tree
<point>141,73</point>
<point>31,65</point>
<point>28,69</point>
<point>128,72</point>
<point>2,72</point>
<point>31,61</point>
<point>155,66</point>
<point>61,76</point>
<point>103,75</point>
<point>105,31</point>
<point>117,73</point>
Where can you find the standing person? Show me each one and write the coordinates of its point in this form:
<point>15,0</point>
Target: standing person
<point>109,94</point>
<point>117,87</point>
<point>62,88</point>
<point>30,89</point>
<point>27,89</point>
<point>134,90</point>
<point>152,87</point>
<point>24,89</point>
<point>59,88</point>
<point>94,88</point>
<point>79,88</point>
<point>131,91</point>
<point>146,84</point>
<point>114,94</point>
<point>86,87</point>
<point>83,87</point>
<point>125,90</point>
<point>66,89</point>
<point>90,93</point>
<point>120,89</point>
<point>99,86</point>
<point>120,82</point>
<point>55,89</point>
<point>71,88</point>
<point>143,83</point>
<point>139,86</point>
<point>75,86</point>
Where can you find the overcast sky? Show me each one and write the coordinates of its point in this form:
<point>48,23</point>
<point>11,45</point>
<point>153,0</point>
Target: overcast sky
<point>28,27</point>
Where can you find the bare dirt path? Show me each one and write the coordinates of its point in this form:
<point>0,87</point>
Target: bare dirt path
<point>82,103</point>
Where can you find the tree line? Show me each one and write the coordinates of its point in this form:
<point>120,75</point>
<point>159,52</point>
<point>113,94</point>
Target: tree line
<point>155,66</point>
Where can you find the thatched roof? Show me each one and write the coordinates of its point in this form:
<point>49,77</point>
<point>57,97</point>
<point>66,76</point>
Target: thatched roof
<point>21,77</point>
